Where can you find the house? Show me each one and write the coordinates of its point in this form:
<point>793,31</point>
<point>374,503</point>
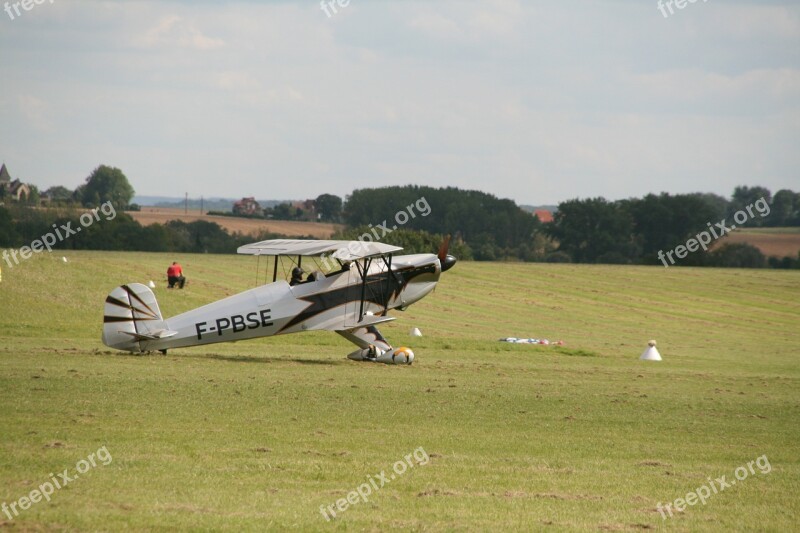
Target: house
<point>543,215</point>
<point>307,209</point>
<point>13,189</point>
<point>247,207</point>
<point>5,177</point>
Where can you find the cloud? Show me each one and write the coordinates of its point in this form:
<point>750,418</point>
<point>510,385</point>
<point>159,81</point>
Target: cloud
<point>535,101</point>
<point>234,80</point>
<point>699,91</point>
<point>469,25</point>
<point>173,30</point>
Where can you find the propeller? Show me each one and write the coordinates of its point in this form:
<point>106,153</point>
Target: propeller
<point>446,260</point>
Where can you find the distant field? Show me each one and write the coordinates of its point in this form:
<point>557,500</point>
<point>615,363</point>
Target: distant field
<point>779,242</point>
<point>247,226</point>
<point>258,435</point>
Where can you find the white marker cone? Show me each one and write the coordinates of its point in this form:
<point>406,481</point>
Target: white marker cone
<point>63,258</point>
<point>415,332</point>
<point>151,284</point>
<point>651,353</point>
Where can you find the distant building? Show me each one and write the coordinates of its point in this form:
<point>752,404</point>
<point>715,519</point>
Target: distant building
<point>543,215</point>
<point>13,189</point>
<point>247,206</point>
<point>308,209</point>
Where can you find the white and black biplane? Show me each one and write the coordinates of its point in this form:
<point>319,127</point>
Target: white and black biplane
<point>350,292</point>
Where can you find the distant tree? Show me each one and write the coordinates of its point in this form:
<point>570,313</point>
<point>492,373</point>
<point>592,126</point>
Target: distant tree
<point>29,223</point>
<point>785,209</point>
<point>281,212</point>
<point>8,234</point>
<point>558,257</point>
<point>34,196</point>
<point>103,185</point>
<point>202,236</point>
<point>737,255</point>
<point>493,228</point>
<point>329,206</point>
<point>717,205</point>
<point>664,221</point>
<point>590,229</point>
<point>541,247</point>
<point>787,262</point>
<point>57,193</point>
<point>744,196</point>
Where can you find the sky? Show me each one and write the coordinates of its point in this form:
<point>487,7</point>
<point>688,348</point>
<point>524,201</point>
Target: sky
<point>540,102</point>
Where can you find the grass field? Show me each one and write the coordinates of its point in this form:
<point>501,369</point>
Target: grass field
<point>258,435</point>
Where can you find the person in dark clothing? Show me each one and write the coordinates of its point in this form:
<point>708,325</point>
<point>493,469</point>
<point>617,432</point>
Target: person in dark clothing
<point>297,276</point>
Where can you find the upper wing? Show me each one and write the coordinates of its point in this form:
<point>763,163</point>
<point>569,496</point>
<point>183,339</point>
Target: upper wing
<point>342,250</point>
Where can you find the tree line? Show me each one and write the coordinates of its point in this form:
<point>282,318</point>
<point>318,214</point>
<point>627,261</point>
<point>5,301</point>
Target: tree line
<point>482,226</point>
<point>19,226</point>
<point>104,184</point>
<point>636,230</point>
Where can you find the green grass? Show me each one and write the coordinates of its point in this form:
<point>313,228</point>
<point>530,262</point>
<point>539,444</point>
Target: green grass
<point>258,435</point>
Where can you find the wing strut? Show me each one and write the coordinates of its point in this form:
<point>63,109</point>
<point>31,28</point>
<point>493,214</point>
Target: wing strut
<point>367,263</point>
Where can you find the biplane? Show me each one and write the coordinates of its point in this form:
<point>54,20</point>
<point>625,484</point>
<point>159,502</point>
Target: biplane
<point>350,289</point>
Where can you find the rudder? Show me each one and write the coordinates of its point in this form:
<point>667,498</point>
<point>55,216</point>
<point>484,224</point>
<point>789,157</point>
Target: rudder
<point>131,315</point>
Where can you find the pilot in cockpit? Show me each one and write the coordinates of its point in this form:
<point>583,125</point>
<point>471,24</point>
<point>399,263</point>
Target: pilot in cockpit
<point>297,276</point>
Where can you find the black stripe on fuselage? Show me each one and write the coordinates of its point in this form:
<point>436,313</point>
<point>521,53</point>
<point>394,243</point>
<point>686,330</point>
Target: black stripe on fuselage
<point>381,288</point>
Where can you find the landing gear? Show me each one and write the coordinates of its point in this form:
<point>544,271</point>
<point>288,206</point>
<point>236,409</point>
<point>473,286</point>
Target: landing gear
<point>393,356</point>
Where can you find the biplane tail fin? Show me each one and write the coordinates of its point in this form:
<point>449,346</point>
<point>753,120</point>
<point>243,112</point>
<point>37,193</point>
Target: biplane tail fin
<point>131,316</point>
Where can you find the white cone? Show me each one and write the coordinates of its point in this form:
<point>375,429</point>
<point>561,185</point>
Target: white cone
<point>415,332</point>
<point>63,258</point>
<point>651,353</point>
<point>151,284</point>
